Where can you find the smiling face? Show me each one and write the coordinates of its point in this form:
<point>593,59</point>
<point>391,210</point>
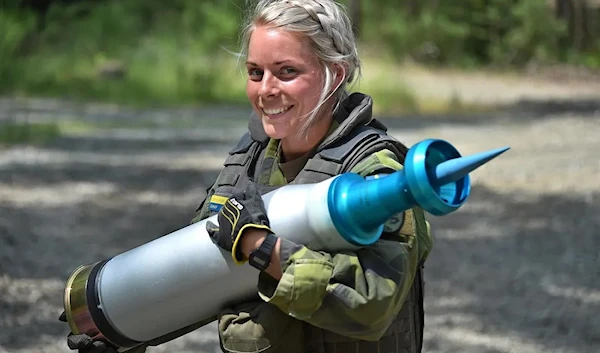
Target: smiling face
<point>285,81</point>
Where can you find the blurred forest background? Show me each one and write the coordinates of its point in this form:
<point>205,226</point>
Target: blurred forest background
<point>179,51</point>
<point>116,116</point>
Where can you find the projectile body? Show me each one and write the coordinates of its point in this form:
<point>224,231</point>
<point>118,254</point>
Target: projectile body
<point>182,278</point>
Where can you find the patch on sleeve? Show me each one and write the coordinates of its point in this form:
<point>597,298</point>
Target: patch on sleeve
<point>216,202</point>
<point>394,224</point>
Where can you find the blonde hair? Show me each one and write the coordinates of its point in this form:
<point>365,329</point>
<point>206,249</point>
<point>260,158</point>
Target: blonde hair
<point>327,26</point>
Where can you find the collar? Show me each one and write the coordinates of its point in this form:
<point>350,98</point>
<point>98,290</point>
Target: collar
<point>355,109</point>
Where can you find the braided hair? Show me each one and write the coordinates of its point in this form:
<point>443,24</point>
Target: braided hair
<point>327,26</point>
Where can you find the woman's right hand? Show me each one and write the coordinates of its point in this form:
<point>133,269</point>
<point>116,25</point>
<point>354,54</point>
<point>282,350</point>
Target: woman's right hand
<point>85,344</point>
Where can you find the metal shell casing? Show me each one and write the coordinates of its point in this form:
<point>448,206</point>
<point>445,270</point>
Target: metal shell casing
<point>183,278</point>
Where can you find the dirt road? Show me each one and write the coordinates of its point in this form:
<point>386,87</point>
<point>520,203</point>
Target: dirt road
<point>517,269</point>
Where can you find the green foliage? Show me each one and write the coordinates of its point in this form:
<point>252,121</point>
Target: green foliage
<point>592,59</point>
<point>15,29</point>
<point>534,35</point>
<point>430,37</point>
<point>32,133</point>
<point>469,32</point>
<point>164,53</point>
<point>181,51</point>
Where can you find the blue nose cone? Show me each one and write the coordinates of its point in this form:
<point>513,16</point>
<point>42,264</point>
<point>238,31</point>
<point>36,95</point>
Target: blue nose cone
<point>435,178</point>
<point>455,169</point>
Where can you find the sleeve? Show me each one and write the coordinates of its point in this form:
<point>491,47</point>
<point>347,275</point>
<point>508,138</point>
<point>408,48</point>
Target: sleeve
<point>202,211</point>
<point>355,294</point>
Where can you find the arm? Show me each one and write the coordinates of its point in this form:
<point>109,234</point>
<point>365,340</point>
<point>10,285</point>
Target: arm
<point>355,294</point>
<point>252,240</point>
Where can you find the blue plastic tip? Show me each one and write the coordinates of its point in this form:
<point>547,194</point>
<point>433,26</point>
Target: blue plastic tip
<point>457,168</point>
<point>435,178</point>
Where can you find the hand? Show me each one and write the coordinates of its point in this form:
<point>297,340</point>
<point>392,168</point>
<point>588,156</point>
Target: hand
<point>84,343</point>
<point>243,210</point>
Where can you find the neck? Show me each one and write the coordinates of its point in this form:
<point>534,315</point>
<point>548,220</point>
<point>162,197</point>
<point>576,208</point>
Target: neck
<point>293,147</point>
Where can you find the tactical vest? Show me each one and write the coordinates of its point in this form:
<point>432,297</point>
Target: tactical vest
<point>337,154</point>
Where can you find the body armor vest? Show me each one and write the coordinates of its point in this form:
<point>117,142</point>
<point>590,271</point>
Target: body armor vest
<point>357,136</point>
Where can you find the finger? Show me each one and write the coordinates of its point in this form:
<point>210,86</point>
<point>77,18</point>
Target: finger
<point>230,212</point>
<point>100,346</point>
<point>79,341</point>
<point>211,228</point>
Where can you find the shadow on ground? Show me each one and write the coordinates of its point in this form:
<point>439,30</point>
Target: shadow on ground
<point>524,111</point>
<point>505,268</point>
<point>511,266</point>
<point>55,216</point>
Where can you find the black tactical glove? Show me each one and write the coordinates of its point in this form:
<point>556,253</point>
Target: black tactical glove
<point>244,209</point>
<point>85,344</point>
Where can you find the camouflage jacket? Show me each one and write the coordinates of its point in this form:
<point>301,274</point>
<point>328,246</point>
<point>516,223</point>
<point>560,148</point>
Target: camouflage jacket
<point>326,299</point>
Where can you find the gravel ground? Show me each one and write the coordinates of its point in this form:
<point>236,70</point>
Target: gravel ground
<point>516,269</point>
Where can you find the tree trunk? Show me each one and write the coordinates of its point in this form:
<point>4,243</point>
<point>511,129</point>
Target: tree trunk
<point>356,16</point>
<point>560,6</point>
<point>580,24</point>
<point>413,8</point>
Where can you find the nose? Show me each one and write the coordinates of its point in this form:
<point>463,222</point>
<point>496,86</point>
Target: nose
<point>269,86</point>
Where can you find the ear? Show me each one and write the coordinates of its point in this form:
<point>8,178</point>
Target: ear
<point>339,70</point>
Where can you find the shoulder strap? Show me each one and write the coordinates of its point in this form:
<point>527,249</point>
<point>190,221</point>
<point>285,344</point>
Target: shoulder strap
<point>380,142</point>
<point>348,151</point>
<point>237,169</point>
<point>239,162</point>
<point>238,154</point>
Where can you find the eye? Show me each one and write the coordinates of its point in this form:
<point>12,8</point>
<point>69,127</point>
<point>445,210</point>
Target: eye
<point>288,71</point>
<point>255,74</point>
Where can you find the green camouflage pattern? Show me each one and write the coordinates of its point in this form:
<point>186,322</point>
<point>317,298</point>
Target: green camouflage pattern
<point>271,174</point>
<point>354,294</point>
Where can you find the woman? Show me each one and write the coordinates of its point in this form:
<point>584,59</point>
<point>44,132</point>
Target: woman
<point>300,56</point>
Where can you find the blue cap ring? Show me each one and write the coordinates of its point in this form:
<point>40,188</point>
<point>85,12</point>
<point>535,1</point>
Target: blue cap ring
<point>418,167</point>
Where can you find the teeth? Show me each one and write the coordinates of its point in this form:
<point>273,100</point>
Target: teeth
<point>276,111</point>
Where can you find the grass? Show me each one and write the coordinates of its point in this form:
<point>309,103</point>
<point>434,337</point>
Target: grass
<point>173,62</point>
<point>12,133</point>
<point>172,54</point>
<point>167,81</point>
<point>382,79</point>
<point>122,52</point>
<point>38,133</point>
<point>198,80</point>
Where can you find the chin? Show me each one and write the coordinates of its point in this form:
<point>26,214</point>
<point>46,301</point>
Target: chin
<point>276,131</point>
